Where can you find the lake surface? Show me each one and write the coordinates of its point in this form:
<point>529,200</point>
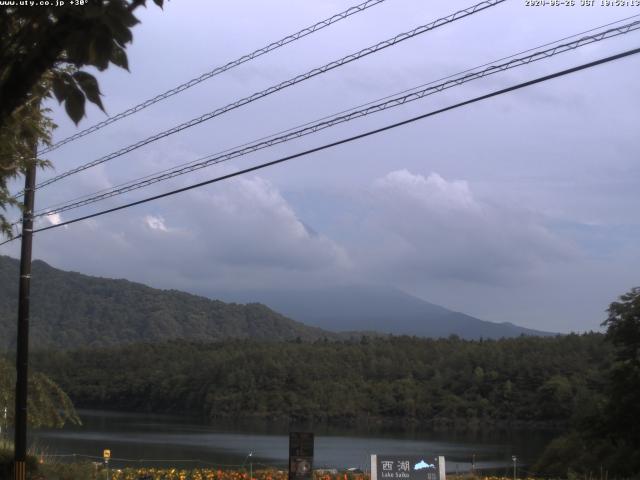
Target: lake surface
<point>161,440</point>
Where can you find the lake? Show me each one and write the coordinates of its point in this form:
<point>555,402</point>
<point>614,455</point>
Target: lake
<point>162,440</point>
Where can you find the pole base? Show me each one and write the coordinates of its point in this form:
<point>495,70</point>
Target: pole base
<point>20,470</point>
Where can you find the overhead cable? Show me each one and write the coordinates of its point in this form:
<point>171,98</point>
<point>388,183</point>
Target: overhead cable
<point>346,140</point>
<point>49,209</point>
<point>273,89</point>
<point>218,70</point>
<point>338,119</point>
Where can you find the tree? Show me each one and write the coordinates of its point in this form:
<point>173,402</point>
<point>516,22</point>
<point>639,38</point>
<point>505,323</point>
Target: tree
<point>37,40</point>
<point>42,52</point>
<point>604,431</point>
<point>623,330</point>
<point>48,405</point>
<point>29,125</point>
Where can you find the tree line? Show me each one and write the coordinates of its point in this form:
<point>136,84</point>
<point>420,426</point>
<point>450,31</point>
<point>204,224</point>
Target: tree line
<point>437,382</point>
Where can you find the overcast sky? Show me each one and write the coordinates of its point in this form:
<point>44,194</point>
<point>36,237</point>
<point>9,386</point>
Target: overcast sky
<point>522,208</point>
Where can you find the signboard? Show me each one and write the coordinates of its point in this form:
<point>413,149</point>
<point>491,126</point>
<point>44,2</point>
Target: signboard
<point>407,467</point>
<point>106,454</point>
<point>300,456</point>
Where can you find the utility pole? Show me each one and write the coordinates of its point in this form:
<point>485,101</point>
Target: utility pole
<point>22,356</point>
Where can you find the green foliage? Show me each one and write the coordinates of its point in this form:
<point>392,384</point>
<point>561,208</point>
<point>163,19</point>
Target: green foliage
<point>623,331</point>
<point>605,432</point>
<point>47,40</point>
<point>69,309</point>
<point>578,455</point>
<point>28,126</point>
<point>438,383</point>
<point>51,470</point>
<point>6,463</point>
<point>48,470</point>
<point>42,50</point>
<point>48,405</point>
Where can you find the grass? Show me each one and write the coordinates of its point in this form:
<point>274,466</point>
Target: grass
<point>41,468</point>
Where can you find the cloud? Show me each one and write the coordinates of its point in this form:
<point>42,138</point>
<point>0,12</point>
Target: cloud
<point>54,219</point>
<point>429,227</point>
<point>248,223</point>
<point>155,223</point>
<point>242,233</point>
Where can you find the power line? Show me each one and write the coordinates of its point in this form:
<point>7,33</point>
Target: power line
<point>349,139</point>
<point>48,210</point>
<point>275,88</point>
<point>344,111</point>
<point>307,129</point>
<point>218,70</point>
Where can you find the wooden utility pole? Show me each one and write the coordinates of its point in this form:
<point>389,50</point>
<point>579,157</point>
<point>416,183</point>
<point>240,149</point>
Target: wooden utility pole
<point>22,355</point>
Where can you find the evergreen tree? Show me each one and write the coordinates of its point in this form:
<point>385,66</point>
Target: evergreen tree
<point>623,331</point>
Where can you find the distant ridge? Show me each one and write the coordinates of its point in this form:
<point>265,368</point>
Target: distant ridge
<point>375,308</point>
<point>71,310</point>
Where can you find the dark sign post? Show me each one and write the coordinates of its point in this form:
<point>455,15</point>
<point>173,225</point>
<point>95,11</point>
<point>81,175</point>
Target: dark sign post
<point>300,456</point>
<point>407,467</point>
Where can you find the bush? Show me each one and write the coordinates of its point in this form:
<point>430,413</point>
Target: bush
<point>6,463</point>
<point>67,471</point>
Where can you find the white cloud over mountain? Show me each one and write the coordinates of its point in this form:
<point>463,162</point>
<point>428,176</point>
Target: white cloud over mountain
<point>240,233</point>
<point>429,227</point>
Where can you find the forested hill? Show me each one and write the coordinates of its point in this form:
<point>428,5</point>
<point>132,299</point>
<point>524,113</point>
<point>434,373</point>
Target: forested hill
<point>527,380</point>
<point>69,310</point>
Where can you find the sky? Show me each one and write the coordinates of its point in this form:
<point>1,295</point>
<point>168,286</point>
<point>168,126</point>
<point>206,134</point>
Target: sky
<point>520,208</point>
